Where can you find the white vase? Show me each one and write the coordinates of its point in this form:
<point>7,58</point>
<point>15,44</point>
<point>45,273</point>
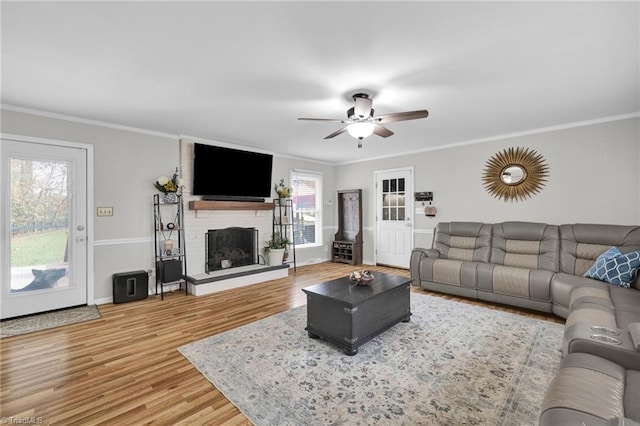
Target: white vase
<point>170,197</point>
<point>274,257</point>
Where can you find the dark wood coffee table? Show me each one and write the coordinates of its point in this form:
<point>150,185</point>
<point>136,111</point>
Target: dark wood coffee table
<point>350,315</point>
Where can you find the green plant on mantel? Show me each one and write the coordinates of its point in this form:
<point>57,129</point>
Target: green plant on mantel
<point>276,242</point>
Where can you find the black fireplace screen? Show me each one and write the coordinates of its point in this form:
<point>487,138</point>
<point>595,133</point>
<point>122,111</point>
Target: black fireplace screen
<point>231,247</point>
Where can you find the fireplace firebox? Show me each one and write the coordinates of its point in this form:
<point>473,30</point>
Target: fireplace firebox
<point>230,248</point>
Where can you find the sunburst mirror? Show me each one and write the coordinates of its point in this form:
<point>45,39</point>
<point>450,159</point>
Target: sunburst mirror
<point>515,174</point>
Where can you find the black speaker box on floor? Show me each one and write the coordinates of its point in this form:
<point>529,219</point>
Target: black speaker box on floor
<point>130,286</point>
<point>171,270</point>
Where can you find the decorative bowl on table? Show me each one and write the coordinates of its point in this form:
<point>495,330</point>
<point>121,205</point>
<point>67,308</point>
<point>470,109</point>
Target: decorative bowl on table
<point>363,277</point>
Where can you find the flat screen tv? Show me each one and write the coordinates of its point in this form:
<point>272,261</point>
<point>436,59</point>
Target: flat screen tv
<point>230,174</point>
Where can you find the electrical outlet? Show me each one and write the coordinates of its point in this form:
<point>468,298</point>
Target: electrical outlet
<point>105,211</point>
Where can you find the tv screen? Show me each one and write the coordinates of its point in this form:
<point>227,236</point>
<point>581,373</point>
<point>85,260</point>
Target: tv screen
<point>231,174</point>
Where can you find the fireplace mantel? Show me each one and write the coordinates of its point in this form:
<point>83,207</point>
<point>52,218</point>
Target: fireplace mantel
<point>229,205</point>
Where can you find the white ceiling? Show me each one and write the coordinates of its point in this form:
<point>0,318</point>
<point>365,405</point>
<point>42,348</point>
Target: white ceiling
<point>242,72</point>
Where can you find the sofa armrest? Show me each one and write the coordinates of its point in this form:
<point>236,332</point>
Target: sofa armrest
<point>417,254</point>
<point>622,421</point>
<point>431,253</point>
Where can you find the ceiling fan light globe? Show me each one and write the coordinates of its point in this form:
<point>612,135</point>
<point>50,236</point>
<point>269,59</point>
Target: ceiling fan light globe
<point>360,130</point>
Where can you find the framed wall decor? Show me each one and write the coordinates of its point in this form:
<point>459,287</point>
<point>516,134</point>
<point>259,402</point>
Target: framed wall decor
<point>515,174</point>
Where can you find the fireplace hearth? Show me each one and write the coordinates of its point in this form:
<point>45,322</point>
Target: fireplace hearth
<point>231,248</point>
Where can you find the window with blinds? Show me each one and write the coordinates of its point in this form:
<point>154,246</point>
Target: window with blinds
<point>307,208</point>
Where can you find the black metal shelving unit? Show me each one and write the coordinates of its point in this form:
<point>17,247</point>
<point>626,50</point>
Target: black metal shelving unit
<point>283,226</point>
<point>169,244</point>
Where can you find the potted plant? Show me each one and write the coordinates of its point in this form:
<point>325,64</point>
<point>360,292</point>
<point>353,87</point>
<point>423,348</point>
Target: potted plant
<point>169,187</point>
<point>274,249</point>
<point>282,190</point>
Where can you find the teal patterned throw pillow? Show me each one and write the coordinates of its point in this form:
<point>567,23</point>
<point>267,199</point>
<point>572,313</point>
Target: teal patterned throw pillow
<point>615,268</point>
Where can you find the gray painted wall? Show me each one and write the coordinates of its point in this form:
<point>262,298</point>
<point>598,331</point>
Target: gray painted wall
<point>126,163</point>
<point>594,177</point>
<point>125,166</point>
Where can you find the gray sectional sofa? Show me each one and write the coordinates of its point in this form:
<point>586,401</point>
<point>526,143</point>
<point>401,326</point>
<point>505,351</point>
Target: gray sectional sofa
<point>541,267</point>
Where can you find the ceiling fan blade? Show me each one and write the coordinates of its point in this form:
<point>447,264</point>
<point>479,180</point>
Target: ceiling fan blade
<point>402,116</point>
<point>335,120</point>
<point>382,131</point>
<point>336,133</point>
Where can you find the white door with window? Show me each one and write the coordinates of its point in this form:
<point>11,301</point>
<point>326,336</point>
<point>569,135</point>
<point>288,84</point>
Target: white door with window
<point>394,208</point>
<point>44,219</point>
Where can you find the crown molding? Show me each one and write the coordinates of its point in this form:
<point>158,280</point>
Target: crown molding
<point>74,119</point>
<point>507,136</point>
<point>88,121</point>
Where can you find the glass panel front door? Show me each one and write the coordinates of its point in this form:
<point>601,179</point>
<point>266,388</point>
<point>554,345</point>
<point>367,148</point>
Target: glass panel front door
<point>39,224</point>
<point>44,248</point>
<point>394,230</point>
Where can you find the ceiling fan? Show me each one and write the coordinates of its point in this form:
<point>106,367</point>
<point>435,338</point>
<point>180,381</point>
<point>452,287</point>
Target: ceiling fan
<point>361,123</point>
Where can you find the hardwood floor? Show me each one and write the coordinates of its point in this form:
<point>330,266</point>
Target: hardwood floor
<point>124,368</point>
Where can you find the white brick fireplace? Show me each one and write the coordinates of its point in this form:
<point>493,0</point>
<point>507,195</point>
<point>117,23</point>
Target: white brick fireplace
<point>198,222</point>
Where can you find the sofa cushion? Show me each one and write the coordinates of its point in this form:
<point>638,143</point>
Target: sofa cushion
<point>466,241</point>
<point>581,244</point>
<point>447,271</point>
<point>591,313</point>
<point>623,298</point>
<point>599,295</point>
<point>615,268</point>
<point>622,421</point>
<point>563,285</point>
<point>525,245</point>
<point>588,254</point>
<point>511,281</point>
<point>632,395</point>
<point>604,304</point>
<point>627,305</point>
<point>519,282</point>
<point>590,390</point>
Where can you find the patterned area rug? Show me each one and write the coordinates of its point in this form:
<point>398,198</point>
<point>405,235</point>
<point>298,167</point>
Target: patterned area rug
<point>452,364</point>
<point>14,327</point>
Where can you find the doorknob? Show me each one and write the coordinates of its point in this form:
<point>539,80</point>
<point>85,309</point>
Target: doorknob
<point>79,239</point>
<point>80,228</point>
